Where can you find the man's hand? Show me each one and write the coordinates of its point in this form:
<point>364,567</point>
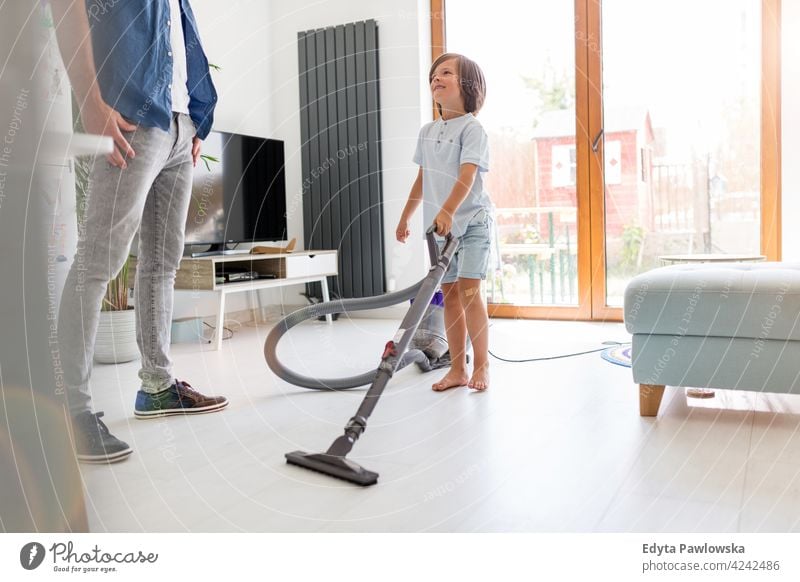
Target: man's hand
<point>196,142</point>
<point>74,41</point>
<point>99,118</point>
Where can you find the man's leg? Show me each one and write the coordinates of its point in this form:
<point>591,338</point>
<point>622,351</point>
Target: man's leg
<point>160,250</point>
<point>114,204</point>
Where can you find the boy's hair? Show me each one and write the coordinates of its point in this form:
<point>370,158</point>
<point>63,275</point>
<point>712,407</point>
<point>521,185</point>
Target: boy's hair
<point>470,77</point>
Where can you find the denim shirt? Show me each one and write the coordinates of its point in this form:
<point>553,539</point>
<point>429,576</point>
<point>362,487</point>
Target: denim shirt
<point>132,54</point>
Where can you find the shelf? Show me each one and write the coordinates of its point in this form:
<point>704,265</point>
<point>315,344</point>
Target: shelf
<point>200,273</point>
<point>258,284</point>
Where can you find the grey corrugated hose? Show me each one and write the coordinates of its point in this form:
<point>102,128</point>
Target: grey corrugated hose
<point>329,307</point>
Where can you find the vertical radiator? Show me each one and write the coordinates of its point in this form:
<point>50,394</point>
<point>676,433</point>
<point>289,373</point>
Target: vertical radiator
<point>341,157</point>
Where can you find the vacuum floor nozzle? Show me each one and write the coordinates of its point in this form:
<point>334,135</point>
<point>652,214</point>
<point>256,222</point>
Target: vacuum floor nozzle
<point>334,466</point>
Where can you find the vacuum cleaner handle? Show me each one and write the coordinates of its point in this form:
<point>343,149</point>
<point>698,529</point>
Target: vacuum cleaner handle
<point>433,247</point>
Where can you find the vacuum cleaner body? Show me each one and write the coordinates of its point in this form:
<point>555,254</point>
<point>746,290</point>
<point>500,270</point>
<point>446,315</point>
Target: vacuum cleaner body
<point>431,338</point>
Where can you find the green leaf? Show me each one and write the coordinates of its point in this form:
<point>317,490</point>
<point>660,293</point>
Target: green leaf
<point>206,158</point>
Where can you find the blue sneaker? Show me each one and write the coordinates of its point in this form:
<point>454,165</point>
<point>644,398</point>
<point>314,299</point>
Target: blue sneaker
<point>180,398</point>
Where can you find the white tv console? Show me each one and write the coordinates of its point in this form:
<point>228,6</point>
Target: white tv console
<point>199,274</point>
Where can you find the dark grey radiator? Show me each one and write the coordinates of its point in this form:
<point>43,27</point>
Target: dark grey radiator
<point>341,157</point>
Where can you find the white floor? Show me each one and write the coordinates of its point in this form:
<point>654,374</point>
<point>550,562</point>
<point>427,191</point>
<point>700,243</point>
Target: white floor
<point>552,446</point>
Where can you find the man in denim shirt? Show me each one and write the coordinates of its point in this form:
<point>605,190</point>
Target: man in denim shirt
<point>144,81</point>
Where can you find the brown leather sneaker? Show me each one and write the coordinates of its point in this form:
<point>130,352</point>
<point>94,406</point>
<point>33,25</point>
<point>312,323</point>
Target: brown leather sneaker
<point>180,398</point>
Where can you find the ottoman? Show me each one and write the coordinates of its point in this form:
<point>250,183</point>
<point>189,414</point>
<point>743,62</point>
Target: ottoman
<point>732,326</point>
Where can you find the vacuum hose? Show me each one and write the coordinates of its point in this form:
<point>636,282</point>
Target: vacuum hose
<point>339,306</point>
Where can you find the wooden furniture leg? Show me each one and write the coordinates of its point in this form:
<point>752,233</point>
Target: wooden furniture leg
<point>650,399</point>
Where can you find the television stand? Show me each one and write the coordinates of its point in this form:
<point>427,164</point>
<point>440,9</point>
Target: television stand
<point>199,274</point>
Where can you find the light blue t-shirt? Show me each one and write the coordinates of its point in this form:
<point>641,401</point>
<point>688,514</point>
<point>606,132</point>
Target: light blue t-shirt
<point>442,147</point>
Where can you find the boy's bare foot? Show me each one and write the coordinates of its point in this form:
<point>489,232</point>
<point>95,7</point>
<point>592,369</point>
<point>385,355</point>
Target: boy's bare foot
<point>453,379</point>
<point>480,378</point>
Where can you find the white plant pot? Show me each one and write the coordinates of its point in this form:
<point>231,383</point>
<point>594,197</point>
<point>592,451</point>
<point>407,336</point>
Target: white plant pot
<point>116,337</point>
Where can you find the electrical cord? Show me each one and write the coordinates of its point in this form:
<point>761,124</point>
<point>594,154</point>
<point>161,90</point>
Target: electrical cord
<point>607,343</point>
<point>313,300</point>
<point>224,329</point>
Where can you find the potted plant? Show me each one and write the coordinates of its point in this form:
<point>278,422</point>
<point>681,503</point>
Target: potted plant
<point>116,332</point>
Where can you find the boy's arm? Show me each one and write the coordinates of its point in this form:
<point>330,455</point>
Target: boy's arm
<point>414,200</point>
<point>74,42</point>
<point>459,193</point>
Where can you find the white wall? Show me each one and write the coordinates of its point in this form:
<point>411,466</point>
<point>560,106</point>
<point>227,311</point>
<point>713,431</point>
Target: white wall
<point>790,130</point>
<point>235,37</point>
<point>255,43</point>
<point>404,42</point>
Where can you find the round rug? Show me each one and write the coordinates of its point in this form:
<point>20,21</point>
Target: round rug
<point>620,355</point>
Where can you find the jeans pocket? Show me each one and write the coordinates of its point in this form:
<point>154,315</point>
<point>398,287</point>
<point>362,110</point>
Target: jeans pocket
<point>191,122</point>
<point>482,218</point>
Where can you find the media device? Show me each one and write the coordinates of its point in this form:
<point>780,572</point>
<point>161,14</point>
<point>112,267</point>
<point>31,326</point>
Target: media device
<point>246,276</point>
<point>238,194</point>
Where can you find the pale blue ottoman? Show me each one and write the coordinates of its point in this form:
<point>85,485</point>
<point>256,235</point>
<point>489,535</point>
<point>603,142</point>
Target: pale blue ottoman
<point>727,325</point>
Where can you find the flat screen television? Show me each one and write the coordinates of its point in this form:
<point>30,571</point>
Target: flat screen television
<point>240,198</point>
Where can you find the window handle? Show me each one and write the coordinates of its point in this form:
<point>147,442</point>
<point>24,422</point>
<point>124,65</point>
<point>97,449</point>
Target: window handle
<point>596,141</point>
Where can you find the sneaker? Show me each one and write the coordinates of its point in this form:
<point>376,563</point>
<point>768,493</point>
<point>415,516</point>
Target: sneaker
<point>94,443</point>
<point>180,398</point>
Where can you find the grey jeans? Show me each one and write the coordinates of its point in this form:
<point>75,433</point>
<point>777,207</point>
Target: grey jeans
<point>152,196</point>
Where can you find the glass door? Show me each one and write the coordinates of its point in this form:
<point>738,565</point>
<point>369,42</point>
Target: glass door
<point>527,53</point>
<point>681,122</point>
<point>623,134</point>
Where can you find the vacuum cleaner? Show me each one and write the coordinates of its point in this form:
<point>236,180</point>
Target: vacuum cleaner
<point>420,339</point>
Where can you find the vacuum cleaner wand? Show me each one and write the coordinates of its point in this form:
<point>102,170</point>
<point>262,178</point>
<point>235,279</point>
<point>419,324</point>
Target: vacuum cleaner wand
<point>333,461</point>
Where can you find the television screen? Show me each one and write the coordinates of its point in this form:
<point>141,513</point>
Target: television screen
<point>240,194</point>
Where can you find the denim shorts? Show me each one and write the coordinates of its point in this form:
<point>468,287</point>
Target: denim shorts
<point>472,256</point>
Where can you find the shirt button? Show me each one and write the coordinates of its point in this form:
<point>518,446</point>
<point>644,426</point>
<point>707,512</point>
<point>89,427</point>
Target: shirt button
<point>170,85</point>
<point>169,54</point>
<point>169,23</point>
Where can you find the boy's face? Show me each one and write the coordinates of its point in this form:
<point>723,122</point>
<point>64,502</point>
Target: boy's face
<point>445,85</point>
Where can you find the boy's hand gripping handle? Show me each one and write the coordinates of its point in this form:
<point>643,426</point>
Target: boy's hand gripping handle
<point>433,247</point>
